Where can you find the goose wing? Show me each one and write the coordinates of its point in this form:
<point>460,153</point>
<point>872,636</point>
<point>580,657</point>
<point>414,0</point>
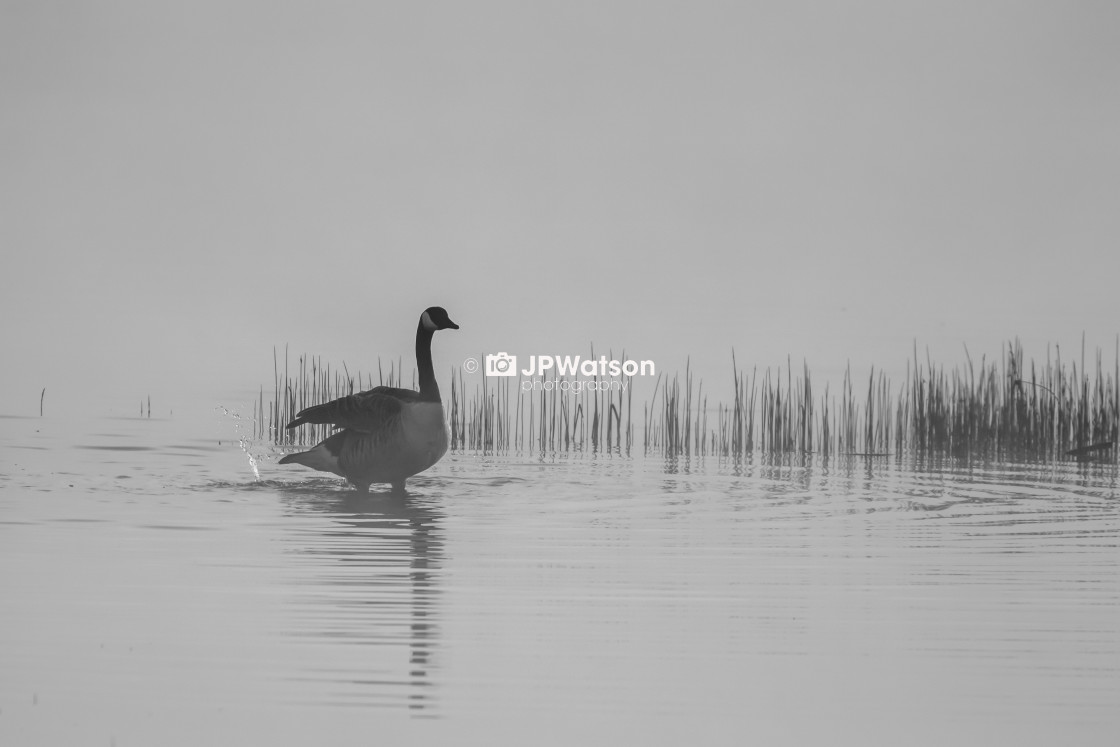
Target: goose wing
<point>373,411</point>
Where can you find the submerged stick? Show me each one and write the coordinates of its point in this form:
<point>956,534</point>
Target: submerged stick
<point>1086,450</point>
<point>1020,382</point>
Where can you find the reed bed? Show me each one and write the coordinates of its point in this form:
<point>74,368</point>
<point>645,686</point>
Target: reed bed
<point>309,382</point>
<point>1010,407</point>
<point>499,415</point>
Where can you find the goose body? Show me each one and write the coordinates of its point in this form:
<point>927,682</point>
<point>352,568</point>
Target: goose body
<point>386,434</point>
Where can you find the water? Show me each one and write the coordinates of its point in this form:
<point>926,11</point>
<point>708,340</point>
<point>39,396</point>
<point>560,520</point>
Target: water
<point>157,591</point>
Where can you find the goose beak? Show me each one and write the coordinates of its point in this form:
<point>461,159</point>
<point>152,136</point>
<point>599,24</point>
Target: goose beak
<point>452,325</point>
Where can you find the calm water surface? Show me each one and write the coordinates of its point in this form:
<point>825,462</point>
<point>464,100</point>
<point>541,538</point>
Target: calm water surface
<point>157,590</point>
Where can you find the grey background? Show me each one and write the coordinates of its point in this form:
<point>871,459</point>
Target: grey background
<point>185,185</point>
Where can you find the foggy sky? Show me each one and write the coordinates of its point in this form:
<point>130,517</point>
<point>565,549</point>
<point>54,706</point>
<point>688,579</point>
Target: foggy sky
<point>184,186</point>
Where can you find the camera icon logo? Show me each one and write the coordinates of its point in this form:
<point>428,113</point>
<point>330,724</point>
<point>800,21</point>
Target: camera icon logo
<point>501,364</point>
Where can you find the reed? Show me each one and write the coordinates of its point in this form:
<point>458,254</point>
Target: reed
<point>1005,408</point>
<point>310,381</point>
<point>562,415</point>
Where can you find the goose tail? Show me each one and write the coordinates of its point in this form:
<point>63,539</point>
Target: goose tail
<point>324,457</point>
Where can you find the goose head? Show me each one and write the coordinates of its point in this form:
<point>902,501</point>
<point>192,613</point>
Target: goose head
<point>435,317</point>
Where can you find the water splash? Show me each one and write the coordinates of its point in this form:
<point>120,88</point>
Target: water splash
<point>242,441</point>
<point>252,459</point>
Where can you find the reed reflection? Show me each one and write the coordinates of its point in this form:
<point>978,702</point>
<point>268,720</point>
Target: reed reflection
<point>374,582</point>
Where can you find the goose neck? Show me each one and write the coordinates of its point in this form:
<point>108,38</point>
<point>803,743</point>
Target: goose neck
<point>429,389</point>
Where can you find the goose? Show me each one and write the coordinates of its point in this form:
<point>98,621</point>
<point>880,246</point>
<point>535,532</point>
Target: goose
<point>386,434</point>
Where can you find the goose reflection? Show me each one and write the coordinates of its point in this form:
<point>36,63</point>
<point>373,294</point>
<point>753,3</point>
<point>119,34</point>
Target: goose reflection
<point>373,581</point>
